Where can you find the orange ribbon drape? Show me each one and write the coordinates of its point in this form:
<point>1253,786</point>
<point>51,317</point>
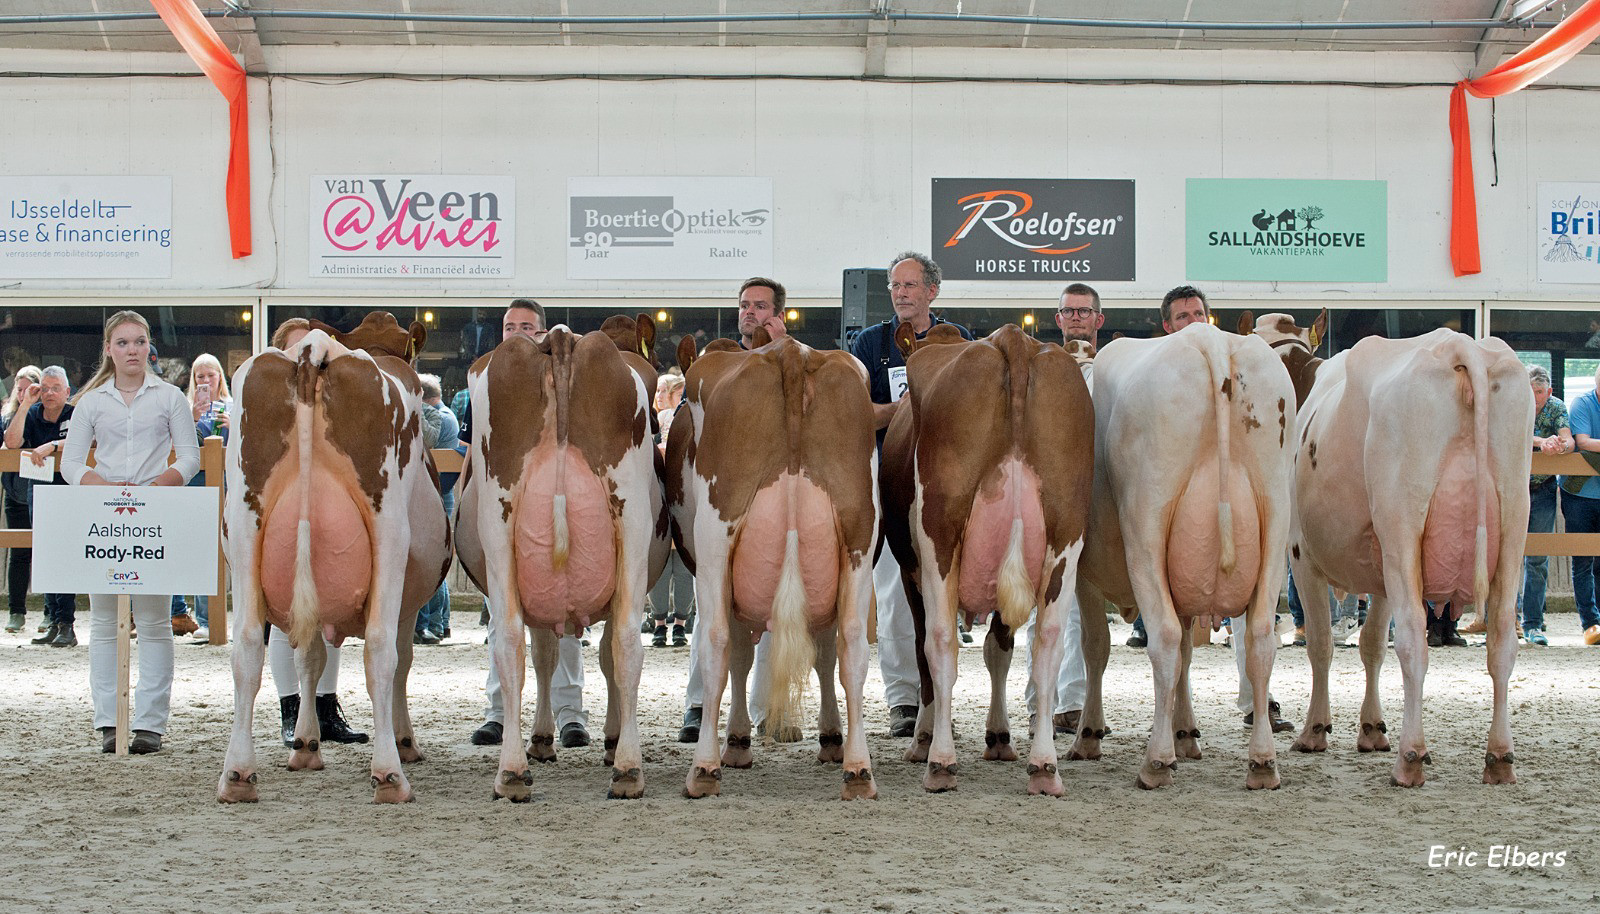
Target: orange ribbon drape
<point>1550,51</point>
<point>197,36</point>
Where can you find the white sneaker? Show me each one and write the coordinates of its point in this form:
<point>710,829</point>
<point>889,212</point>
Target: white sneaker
<point>1344,628</point>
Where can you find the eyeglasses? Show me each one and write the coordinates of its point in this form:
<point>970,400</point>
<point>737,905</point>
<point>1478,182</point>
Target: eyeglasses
<point>897,286</point>
<point>1079,313</point>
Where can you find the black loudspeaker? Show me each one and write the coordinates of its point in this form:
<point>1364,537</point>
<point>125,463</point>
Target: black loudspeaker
<point>866,302</point>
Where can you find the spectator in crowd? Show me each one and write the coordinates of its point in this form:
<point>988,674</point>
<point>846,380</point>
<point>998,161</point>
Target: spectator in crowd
<point>433,622</point>
<point>1580,508</point>
<point>1551,435</point>
<point>209,401</point>
<point>673,595</point>
<point>134,420</point>
<point>40,425</point>
<point>16,506</point>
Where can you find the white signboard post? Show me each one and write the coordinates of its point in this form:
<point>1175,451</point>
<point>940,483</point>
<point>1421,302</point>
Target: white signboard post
<point>669,228</point>
<point>124,540</point>
<point>84,227</point>
<point>429,227</point>
<point>1568,231</point>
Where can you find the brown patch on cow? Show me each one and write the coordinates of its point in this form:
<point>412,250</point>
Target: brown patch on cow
<point>1227,387</point>
<point>265,423</point>
<point>1295,549</point>
<point>1283,420</point>
<point>1313,455</point>
<point>517,391</point>
<point>632,334</point>
<point>1286,326</point>
<point>1250,422</point>
<point>1057,575</point>
<point>606,420</point>
<point>362,426</point>
<point>380,334</point>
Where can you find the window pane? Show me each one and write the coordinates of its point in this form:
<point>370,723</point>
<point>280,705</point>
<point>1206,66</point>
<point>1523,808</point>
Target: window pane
<point>70,336</point>
<point>1566,342</point>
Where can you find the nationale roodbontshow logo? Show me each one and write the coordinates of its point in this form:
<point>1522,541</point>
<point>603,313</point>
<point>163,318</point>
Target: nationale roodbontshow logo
<point>1033,228</point>
<point>123,503</point>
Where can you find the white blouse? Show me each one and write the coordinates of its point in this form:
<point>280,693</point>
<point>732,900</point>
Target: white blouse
<point>131,441</point>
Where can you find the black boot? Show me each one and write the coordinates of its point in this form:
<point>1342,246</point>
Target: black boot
<point>331,717</point>
<point>49,634</point>
<point>290,705</point>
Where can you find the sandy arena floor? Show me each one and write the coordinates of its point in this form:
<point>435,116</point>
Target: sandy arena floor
<point>87,832</point>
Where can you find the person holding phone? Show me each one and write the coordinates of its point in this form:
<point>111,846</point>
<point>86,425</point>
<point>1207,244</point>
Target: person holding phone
<point>134,420</point>
<point>17,491</point>
<point>209,401</point>
<point>40,426</point>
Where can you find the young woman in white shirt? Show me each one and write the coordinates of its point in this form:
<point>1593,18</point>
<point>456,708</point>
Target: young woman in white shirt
<point>134,420</point>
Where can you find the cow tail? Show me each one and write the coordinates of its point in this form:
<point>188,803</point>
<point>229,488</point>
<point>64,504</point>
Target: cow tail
<point>561,347</point>
<point>1221,363</point>
<point>1477,394</point>
<point>303,605</point>
<point>793,651</point>
<point>1015,591</point>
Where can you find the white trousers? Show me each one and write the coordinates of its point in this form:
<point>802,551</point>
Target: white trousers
<point>1072,680</point>
<point>897,635</point>
<point>280,656</point>
<point>1247,700</point>
<point>566,683</point>
<point>152,694</point>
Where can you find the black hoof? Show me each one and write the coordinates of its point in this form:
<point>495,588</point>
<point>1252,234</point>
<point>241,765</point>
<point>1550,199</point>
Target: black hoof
<point>738,742</point>
<point>1041,769</point>
<point>830,739</point>
<point>991,739</point>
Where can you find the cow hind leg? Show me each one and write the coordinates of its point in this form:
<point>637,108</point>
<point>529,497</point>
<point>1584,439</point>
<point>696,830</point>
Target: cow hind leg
<point>1049,647</point>
<point>939,644</point>
<point>1096,634</point>
<point>1313,590</point>
<point>736,753</point>
<point>830,733</point>
<point>1260,648</point>
<point>997,648</point>
<point>1164,632</point>
<point>855,602</point>
<point>546,654</point>
<point>1497,760</point>
<point>712,607</point>
<point>513,780</point>
<point>1411,650</point>
<point>305,752</point>
<point>1186,733</point>
<point>389,783</point>
<point>405,738</point>
<point>621,644</point>
<point>238,781</point>
<point>922,731</point>
<point>1374,644</point>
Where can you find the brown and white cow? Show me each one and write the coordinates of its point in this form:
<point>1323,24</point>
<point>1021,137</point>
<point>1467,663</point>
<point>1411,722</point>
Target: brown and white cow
<point>985,484</point>
<point>1410,483</point>
<point>772,479</point>
<point>334,528</point>
<point>1190,518</point>
<point>561,523</point>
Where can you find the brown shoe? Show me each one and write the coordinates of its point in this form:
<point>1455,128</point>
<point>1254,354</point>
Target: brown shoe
<point>1067,722</point>
<point>183,624</point>
<point>1591,635</point>
<point>1477,627</point>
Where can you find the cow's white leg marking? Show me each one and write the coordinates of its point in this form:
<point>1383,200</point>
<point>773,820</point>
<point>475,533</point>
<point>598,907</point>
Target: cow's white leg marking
<point>1096,634</point>
<point>996,727</point>
<point>392,539</point>
<point>855,601</point>
<point>712,539</point>
<point>238,781</point>
<point>1049,647</point>
<point>309,661</point>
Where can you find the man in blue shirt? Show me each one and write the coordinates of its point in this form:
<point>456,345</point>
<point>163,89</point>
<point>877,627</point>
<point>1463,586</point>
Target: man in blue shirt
<point>913,285</point>
<point>1580,507</point>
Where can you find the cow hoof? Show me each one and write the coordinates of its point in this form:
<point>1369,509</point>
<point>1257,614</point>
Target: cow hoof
<point>609,759</point>
<point>703,782</point>
<point>737,753</point>
<point>626,785</point>
<point>1373,737</point>
<point>305,756</point>
<point>516,786</point>
<point>1155,773</point>
<point>410,753</point>
<point>1497,769</point>
<point>858,785</point>
<point>391,788</point>
<point>1086,748</point>
<point>1408,769</point>
<point>1314,738</point>
<point>940,777</point>
<point>1187,745</point>
<point>236,786</point>
<point>918,750</point>
<point>997,747</point>
<point>1262,775</point>
<point>830,747</point>
<point>542,748</point>
<point>1043,780</point>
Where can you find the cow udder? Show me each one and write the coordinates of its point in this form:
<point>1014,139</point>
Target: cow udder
<point>580,590</point>
<point>1449,536</point>
<point>1195,577</point>
<point>757,560</point>
<point>341,554</point>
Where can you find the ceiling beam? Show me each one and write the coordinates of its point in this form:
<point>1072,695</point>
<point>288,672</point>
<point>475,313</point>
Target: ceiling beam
<point>238,32</point>
<point>1492,43</point>
<point>877,47</point>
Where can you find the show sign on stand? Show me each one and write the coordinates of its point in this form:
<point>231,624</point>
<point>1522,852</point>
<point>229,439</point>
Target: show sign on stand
<point>124,540</point>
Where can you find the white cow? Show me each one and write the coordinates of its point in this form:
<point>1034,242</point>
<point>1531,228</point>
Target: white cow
<point>1188,522</point>
<point>1411,484</point>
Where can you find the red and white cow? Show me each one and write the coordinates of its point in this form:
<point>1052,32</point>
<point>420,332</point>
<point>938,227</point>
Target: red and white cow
<point>985,484</point>
<point>561,523</point>
<point>1189,520</point>
<point>1410,484</point>
<point>772,479</point>
<point>334,528</point>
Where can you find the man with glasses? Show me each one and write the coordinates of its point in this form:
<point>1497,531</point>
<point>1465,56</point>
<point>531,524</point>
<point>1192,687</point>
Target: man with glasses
<point>913,285</point>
